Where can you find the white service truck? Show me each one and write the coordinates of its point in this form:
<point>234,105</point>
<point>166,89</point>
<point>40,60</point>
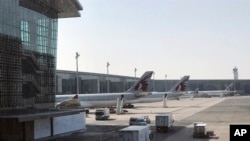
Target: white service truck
<point>200,131</point>
<point>135,133</point>
<point>102,114</point>
<point>164,122</point>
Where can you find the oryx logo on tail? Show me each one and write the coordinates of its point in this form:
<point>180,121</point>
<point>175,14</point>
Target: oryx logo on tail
<point>142,84</point>
<point>181,85</point>
<point>184,86</point>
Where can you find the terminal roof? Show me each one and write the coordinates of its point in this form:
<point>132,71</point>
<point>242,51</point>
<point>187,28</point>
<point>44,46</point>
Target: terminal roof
<point>64,8</point>
<point>67,8</point>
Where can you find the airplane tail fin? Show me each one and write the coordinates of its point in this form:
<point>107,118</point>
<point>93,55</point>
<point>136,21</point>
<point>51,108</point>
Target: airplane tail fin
<point>75,97</point>
<point>181,85</point>
<point>194,93</point>
<point>141,86</point>
<point>229,87</point>
<point>70,103</point>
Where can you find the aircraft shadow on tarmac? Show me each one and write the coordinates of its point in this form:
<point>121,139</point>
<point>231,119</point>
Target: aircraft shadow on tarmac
<point>194,106</point>
<point>138,107</point>
<point>109,119</point>
<point>134,113</point>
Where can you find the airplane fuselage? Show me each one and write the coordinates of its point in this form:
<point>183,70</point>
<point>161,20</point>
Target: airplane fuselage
<point>212,93</point>
<point>139,89</point>
<point>156,97</point>
<point>98,100</point>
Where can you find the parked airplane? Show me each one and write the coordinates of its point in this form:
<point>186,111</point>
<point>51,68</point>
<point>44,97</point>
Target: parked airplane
<point>174,93</point>
<point>190,94</point>
<point>139,89</point>
<point>217,93</point>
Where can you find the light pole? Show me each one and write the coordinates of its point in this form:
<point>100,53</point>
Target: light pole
<point>165,82</point>
<point>153,81</point>
<point>77,83</point>
<point>108,77</point>
<point>135,72</point>
<point>234,87</point>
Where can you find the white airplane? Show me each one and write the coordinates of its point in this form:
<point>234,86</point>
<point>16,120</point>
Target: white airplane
<point>190,94</point>
<point>174,93</point>
<point>139,89</point>
<point>217,93</point>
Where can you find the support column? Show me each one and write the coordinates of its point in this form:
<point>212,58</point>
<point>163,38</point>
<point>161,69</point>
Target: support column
<point>164,101</point>
<point>118,106</point>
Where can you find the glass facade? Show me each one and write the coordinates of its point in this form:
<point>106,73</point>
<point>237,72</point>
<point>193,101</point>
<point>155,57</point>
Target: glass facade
<point>28,54</point>
<point>10,18</point>
<point>38,32</point>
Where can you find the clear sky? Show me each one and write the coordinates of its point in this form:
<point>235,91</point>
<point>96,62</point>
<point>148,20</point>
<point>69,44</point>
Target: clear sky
<point>205,39</point>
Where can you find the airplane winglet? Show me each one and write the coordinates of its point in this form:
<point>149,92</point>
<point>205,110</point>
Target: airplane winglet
<point>229,87</point>
<point>70,103</point>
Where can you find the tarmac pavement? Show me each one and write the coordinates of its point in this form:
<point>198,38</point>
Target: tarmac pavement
<point>218,113</point>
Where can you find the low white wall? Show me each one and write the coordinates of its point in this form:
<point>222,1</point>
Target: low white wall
<point>42,128</point>
<point>62,124</point>
<point>69,123</point>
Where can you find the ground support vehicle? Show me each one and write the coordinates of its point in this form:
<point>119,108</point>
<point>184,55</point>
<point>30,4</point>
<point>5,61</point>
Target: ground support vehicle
<point>200,131</point>
<point>102,114</point>
<point>135,133</point>
<point>164,122</point>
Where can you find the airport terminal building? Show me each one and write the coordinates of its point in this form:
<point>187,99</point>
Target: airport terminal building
<point>28,48</point>
<point>98,83</point>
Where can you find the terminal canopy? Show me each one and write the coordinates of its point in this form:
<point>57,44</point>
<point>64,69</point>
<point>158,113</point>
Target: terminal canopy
<point>63,8</point>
